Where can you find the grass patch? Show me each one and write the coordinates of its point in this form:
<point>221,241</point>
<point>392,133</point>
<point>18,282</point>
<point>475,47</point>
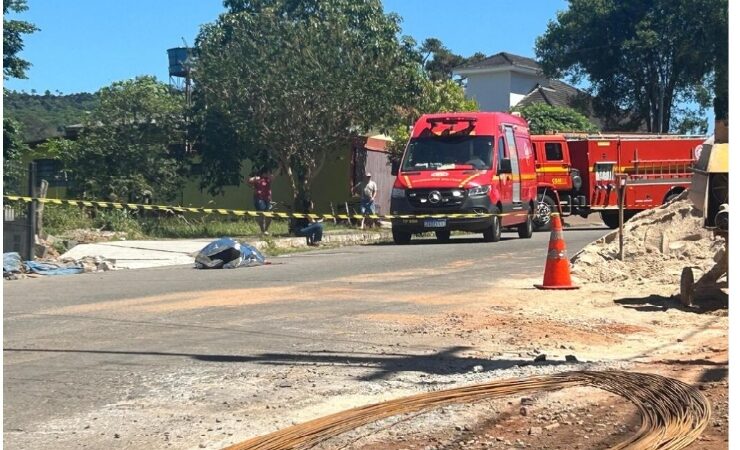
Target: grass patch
<point>61,219</point>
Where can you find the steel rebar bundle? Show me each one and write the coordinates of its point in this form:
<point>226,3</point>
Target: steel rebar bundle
<point>673,414</point>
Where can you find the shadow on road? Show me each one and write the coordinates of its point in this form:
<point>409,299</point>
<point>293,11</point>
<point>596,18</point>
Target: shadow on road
<point>654,303</point>
<point>445,362</point>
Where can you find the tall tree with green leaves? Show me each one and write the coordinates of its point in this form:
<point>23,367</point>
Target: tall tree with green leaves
<point>641,57</point>
<point>287,82</point>
<point>13,30</point>
<point>544,118</point>
<point>126,146</point>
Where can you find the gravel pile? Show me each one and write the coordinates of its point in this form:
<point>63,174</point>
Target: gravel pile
<point>658,244</point>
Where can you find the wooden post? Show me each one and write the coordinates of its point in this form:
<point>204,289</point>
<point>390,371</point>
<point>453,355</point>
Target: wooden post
<point>40,211</point>
<point>621,189</point>
<point>334,218</point>
<point>31,214</point>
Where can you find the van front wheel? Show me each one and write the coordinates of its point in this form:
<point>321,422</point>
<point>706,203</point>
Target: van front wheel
<point>525,229</point>
<point>493,232</point>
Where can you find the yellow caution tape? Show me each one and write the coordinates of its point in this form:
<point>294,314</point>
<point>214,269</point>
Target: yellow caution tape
<point>239,212</point>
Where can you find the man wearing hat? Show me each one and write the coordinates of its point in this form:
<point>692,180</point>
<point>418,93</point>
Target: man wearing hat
<point>367,190</point>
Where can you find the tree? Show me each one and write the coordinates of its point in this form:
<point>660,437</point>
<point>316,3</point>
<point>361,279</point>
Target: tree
<point>126,145</point>
<point>544,118</point>
<point>642,58</point>
<point>436,96</point>
<point>13,149</point>
<point>439,61</point>
<point>13,31</point>
<point>287,82</point>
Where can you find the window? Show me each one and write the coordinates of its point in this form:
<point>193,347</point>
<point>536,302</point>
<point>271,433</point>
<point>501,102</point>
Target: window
<point>453,152</point>
<point>554,151</point>
<point>502,153</point>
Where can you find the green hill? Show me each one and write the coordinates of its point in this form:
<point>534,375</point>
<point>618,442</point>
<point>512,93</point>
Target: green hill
<point>45,116</point>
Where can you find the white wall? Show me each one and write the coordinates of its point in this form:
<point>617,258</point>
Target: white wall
<point>490,90</point>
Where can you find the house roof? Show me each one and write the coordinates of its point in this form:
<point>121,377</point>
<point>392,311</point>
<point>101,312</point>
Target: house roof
<point>554,93</point>
<point>501,60</point>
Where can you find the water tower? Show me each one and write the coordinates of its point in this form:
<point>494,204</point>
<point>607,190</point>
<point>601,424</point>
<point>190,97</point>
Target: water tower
<point>180,70</point>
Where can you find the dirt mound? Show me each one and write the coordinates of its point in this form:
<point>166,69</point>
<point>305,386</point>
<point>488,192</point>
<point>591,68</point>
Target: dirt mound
<point>658,244</point>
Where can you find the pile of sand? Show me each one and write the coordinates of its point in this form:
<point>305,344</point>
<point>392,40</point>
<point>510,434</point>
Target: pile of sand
<point>658,244</point>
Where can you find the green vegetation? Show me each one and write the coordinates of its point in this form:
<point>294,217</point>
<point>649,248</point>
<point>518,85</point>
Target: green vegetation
<point>13,30</point>
<point>125,148</point>
<point>544,118</point>
<point>60,220</point>
<point>13,149</point>
<point>439,61</point>
<point>642,58</point>
<point>288,83</point>
<point>45,116</point>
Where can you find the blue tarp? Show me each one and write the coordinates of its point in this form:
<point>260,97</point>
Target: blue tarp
<point>11,263</point>
<point>227,253</point>
<point>51,269</point>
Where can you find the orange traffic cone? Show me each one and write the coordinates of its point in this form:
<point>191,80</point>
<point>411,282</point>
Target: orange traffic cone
<point>557,266</point>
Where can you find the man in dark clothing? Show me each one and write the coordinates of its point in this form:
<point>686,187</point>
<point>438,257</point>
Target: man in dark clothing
<point>311,229</point>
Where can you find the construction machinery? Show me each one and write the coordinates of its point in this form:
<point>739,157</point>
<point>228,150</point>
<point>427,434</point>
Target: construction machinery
<point>709,193</point>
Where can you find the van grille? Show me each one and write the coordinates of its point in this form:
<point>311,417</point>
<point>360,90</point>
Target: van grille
<point>423,198</point>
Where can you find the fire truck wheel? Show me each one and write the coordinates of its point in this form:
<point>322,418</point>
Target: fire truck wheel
<point>401,238</point>
<point>493,233</point>
<point>525,229</point>
<point>443,235</point>
<point>545,207</point>
<point>611,219</point>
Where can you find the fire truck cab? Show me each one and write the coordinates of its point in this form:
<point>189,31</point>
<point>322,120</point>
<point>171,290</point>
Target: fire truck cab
<point>465,163</point>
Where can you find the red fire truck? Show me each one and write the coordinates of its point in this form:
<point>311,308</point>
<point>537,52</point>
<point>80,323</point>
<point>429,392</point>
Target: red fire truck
<point>576,173</point>
<point>470,163</point>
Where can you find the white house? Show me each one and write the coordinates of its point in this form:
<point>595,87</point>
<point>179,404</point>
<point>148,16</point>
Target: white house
<point>504,80</point>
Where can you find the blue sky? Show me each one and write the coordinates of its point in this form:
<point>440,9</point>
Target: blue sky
<point>84,45</point>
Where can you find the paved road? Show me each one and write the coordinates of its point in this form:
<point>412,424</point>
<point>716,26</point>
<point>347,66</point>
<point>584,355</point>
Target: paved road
<point>73,345</point>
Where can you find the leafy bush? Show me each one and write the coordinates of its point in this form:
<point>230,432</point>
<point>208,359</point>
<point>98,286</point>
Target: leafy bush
<point>544,118</point>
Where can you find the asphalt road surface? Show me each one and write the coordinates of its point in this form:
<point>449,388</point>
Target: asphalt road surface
<point>74,344</point>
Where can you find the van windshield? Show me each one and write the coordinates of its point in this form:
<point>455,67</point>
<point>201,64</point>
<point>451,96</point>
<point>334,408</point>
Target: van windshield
<point>449,153</point>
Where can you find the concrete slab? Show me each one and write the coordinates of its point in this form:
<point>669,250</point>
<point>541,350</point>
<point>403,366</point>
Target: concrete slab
<point>141,254</point>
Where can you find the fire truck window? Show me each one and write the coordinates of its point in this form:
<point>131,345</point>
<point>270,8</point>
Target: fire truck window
<point>502,153</point>
<point>553,151</point>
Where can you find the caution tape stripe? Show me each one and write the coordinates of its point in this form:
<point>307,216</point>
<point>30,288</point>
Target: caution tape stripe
<point>238,212</point>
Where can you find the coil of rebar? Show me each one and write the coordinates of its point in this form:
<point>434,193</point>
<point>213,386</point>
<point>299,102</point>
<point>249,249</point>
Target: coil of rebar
<point>673,414</point>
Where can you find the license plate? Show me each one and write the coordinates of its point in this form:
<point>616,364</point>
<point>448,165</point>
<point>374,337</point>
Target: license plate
<point>435,223</point>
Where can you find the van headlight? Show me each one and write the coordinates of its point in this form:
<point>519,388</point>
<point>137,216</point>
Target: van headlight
<point>479,191</point>
<point>398,193</point>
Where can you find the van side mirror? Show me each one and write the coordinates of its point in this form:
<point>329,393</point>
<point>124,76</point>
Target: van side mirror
<point>395,165</point>
<point>504,166</point>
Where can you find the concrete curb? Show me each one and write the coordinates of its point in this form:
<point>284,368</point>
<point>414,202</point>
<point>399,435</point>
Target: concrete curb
<point>329,238</point>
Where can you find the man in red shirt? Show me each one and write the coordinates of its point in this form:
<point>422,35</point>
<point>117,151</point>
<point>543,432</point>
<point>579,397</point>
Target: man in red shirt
<point>262,185</point>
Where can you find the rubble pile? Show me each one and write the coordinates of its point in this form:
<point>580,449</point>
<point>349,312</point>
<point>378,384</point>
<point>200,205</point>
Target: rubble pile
<point>658,244</point>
